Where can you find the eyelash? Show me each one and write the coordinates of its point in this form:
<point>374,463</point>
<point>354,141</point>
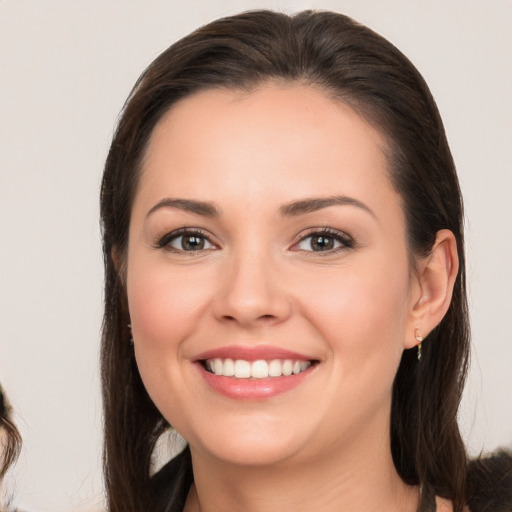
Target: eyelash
<point>345,241</point>
<point>165,241</point>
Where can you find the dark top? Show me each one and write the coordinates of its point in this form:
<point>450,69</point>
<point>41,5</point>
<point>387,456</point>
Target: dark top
<point>489,484</point>
<point>171,498</point>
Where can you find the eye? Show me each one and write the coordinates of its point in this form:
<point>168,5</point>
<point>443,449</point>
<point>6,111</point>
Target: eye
<point>186,241</point>
<point>326,240</point>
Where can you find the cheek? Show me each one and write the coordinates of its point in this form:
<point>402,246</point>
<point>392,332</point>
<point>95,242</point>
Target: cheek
<point>165,308</point>
<point>361,313</point>
<point>164,305</point>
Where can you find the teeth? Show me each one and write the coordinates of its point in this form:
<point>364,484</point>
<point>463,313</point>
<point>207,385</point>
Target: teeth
<point>260,369</point>
<point>287,367</point>
<point>275,368</point>
<point>217,366</point>
<point>242,369</point>
<point>228,369</point>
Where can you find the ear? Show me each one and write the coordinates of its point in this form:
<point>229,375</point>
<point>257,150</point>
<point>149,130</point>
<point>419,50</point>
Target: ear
<point>432,289</point>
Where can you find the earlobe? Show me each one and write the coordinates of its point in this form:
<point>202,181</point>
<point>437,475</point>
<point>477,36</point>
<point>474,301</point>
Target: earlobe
<point>435,281</point>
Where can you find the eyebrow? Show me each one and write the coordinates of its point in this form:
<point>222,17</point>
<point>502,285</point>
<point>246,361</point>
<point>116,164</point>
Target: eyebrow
<point>204,208</point>
<point>295,208</point>
<point>317,203</point>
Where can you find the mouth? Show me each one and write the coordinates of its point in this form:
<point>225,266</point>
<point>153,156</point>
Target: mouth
<point>259,369</point>
<point>254,372</point>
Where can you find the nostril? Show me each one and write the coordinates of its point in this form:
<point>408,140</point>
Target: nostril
<point>261,317</point>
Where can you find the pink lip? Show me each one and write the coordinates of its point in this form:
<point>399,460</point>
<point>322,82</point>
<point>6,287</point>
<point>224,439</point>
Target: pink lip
<point>252,389</point>
<point>252,353</point>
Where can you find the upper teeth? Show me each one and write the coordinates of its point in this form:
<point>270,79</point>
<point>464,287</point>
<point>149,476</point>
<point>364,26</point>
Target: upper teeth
<point>260,369</point>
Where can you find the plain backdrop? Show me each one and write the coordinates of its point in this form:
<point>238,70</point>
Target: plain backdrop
<point>66,68</point>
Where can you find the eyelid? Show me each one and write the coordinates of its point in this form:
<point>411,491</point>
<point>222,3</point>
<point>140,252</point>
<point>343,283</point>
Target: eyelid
<point>163,241</point>
<point>346,240</point>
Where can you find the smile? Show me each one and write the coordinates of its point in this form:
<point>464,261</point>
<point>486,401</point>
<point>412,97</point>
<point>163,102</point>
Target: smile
<point>256,372</point>
<point>259,369</point>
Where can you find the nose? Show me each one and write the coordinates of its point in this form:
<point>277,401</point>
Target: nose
<point>252,293</point>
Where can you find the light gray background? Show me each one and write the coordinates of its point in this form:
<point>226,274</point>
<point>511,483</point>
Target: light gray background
<point>66,68</point>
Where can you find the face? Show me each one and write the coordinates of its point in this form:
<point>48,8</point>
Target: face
<point>267,275</point>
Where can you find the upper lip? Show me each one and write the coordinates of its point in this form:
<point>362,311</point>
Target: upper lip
<point>252,353</point>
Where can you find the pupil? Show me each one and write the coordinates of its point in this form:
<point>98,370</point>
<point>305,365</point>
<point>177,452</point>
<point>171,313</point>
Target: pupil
<point>322,243</point>
<point>192,242</point>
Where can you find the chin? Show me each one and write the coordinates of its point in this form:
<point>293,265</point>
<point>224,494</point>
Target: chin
<point>248,453</point>
<point>260,443</point>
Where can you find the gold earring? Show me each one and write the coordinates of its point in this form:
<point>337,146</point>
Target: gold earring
<point>419,339</point>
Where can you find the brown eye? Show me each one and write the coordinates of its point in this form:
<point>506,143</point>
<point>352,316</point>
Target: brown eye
<point>191,242</point>
<point>325,241</point>
<point>322,243</point>
<point>185,242</point>
<point>319,242</point>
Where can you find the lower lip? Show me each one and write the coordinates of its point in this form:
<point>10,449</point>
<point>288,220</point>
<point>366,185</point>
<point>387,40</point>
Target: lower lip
<point>253,389</point>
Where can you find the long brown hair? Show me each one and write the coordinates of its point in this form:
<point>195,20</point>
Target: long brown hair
<point>360,68</point>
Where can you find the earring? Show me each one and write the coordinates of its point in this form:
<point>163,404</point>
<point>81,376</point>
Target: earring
<point>131,337</point>
<point>419,339</point>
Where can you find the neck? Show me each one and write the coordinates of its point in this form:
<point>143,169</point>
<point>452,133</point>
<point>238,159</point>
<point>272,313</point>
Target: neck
<point>357,479</point>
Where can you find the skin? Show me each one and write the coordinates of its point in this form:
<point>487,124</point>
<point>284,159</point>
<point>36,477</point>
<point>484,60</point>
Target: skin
<point>323,445</point>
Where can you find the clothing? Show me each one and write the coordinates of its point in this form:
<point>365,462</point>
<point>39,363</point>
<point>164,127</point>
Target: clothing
<point>489,484</point>
<point>171,498</point>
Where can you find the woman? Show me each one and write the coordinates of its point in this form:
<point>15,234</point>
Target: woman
<point>285,278</point>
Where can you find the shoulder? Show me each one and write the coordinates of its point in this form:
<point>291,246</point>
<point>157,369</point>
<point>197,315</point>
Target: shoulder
<point>489,485</point>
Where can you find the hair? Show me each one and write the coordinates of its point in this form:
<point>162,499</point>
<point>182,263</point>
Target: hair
<point>490,482</point>
<point>10,439</point>
<point>358,67</point>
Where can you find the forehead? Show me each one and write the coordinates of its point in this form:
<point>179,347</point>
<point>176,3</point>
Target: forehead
<point>292,139</point>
